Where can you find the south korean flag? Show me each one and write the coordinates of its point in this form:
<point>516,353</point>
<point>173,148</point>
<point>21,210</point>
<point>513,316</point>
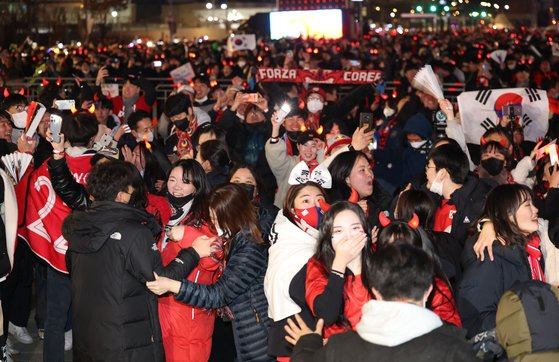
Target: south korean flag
<point>481,110</point>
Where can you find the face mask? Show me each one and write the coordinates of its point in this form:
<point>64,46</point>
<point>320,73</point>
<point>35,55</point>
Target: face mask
<point>241,64</point>
<point>315,106</point>
<point>388,112</point>
<point>493,165</point>
<point>149,136</point>
<point>182,124</point>
<point>179,202</point>
<point>312,216</point>
<point>20,119</point>
<point>417,144</point>
<point>249,189</point>
<point>436,186</point>
<point>511,67</point>
<point>293,135</point>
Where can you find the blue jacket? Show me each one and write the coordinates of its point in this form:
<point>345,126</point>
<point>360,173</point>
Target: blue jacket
<point>241,288</point>
<point>414,159</point>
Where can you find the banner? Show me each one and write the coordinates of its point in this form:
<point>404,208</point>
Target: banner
<point>183,74</point>
<point>481,111</point>
<point>318,76</point>
<point>41,211</point>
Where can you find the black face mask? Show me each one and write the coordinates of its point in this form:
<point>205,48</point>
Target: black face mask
<point>293,135</point>
<point>182,124</point>
<point>178,202</point>
<point>249,189</point>
<point>493,166</point>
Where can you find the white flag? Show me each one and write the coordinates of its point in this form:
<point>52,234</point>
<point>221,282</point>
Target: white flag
<point>241,42</point>
<point>184,73</point>
<point>481,110</point>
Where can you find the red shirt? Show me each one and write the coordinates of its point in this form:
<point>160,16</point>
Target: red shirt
<point>443,217</point>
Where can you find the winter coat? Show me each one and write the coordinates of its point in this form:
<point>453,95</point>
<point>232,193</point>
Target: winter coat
<point>550,254</point>
<point>413,160</point>
<point>111,254</point>
<point>469,201</point>
<point>389,331</point>
<point>8,225</point>
<point>290,250</point>
<point>328,296</point>
<point>66,187</point>
<point>484,282</point>
<point>187,331</point>
<point>281,165</point>
<point>241,288</point>
<point>441,302</point>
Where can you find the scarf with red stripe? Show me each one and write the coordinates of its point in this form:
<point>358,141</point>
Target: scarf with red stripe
<point>534,257</point>
<point>311,164</point>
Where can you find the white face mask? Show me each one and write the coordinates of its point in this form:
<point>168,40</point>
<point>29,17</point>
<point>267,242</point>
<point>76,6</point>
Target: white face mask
<point>149,137</point>
<point>20,119</point>
<point>241,64</point>
<point>315,106</point>
<point>436,186</point>
<point>388,112</point>
<point>417,144</point>
<point>511,66</point>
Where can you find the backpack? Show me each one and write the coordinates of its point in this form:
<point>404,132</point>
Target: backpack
<point>528,320</point>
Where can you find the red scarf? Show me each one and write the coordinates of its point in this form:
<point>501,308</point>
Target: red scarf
<point>311,164</point>
<point>534,256</point>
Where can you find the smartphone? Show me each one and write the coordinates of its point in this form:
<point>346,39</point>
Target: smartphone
<point>284,110</point>
<point>251,97</point>
<point>512,110</point>
<point>55,126</point>
<point>65,104</point>
<point>157,63</point>
<point>366,120</point>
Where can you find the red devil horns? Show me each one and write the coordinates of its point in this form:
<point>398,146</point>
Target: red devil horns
<point>323,205</point>
<point>6,93</point>
<point>383,219</point>
<point>354,197</point>
<point>414,222</point>
<point>22,91</point>
<point>482,141</point>
<point>45,82</point>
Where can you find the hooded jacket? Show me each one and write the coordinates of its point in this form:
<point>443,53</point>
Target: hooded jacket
<point>414,159</point>
<point>111,254</point>
<point>389,331</point>
<point>484,282</point>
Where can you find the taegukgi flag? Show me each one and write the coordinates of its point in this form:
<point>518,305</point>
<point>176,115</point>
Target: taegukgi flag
<point>481,110</point>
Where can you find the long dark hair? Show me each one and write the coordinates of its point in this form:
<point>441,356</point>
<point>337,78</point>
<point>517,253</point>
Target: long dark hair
<point>234,212</point>
<point>399,232</point>
<point>325,251</point>
<point>194,173</point>
<point>340,169</point>
<point>418,202</point>
<point>152,168</point>
<point>500,207</point>
<point>257,178</point>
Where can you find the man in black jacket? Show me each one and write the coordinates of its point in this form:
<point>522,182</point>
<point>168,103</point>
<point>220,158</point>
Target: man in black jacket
<point>111,254</point>
<point>395,326</point>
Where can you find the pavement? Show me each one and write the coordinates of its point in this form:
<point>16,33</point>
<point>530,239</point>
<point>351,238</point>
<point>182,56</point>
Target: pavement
<point>33,352</point>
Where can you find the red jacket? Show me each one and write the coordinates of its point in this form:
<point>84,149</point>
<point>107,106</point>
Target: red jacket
<point>118,107</point>
<point>443,304</point>
<point>354,296</point>
<point>186,330</point>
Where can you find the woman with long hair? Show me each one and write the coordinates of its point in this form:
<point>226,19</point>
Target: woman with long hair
<point>186,329</point>
<point>447,248</point>
<point>149,167</point>
<point>293,241</point>
<point>352,174</point>
<point>336,283</point>
<point>239,291</point>
<point>440,301</point>
<point>515,220</point>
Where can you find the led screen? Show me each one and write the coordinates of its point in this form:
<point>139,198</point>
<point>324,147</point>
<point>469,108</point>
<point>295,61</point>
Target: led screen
<point>310,23</point>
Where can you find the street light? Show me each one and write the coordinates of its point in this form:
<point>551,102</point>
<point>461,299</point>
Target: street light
<point>419,8</point>
<point>223,6</point>
<point>209,6</point>
<point>114,13</point>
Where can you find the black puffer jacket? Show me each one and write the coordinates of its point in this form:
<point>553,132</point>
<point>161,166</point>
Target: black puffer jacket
<point>241,288</point>
<point>484,282</point>
<point>111,254</point>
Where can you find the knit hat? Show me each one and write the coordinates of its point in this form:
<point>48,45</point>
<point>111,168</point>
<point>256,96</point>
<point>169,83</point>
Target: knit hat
<point>336,141</point>
<point>316,90</point>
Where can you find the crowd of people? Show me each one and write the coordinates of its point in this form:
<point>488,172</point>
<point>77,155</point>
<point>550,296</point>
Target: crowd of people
<point>262,221</point>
